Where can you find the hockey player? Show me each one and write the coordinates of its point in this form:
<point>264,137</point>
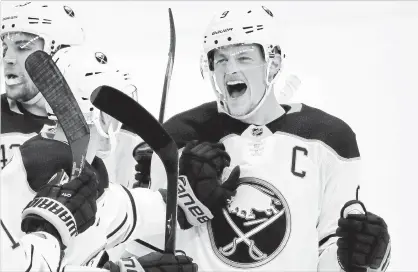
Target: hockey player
<point>49,27</point>
<point>44,222</point>
<point>122,214</point>
<point>53,219</point>
<point>36,160</point>
<point>289,171</point>
<point>25,29</point>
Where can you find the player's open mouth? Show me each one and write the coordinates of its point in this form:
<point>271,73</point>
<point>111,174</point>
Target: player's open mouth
<point>236,88</point>
<point>13,79</point>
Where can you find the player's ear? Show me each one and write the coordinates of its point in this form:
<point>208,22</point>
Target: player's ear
<point>276,64</point>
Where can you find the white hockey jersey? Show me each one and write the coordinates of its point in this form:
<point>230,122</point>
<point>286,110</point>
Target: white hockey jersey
<point>297,172</point>
<point>35,252</point>
<point>120,213</point>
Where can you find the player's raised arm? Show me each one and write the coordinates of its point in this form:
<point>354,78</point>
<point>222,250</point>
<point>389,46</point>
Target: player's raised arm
<point>349,242</point>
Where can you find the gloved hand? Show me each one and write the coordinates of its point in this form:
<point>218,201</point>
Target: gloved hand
<point>203,164</point>
<point>364,243</point>
<point>142,153</point>
<point>63,210</point>
<point>153,262</point>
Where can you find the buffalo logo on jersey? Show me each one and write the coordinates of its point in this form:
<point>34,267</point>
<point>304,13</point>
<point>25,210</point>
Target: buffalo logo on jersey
<point>254,227</point>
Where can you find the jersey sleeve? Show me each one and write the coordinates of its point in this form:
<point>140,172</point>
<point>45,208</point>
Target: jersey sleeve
<point>35,252</point>
<point>340,174</point>
<point>15,192</point>
<point>140,213</point>
<point>146,212</point>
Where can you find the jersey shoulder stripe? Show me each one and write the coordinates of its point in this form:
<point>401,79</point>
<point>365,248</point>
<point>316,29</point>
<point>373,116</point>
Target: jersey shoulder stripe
<point>205,123</point>
<point>313,124</point>
<point>16,122</point>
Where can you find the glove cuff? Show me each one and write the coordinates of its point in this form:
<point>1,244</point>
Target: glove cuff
<point>56,214</point>
<point>129,265</point>
<point>195,212</point>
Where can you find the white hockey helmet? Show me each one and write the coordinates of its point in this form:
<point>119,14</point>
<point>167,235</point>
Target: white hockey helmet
<point>55,23</point>
<point>242,26</point>
<point>86,69</point>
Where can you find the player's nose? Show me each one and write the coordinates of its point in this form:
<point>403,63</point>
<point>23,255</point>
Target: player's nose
<point>9,57</point>
<point>231,67</point>
<point>8,60</point>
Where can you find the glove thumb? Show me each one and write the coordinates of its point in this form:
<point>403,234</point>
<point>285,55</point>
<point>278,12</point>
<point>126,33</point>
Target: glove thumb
<point>231,183</point>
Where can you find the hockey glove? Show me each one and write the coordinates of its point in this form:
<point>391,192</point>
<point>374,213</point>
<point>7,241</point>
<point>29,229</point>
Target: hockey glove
<point>364,243</point>
<point>202,164</point>
<point>142,153</point>
<point>63,210</point>
<point>153,262</point>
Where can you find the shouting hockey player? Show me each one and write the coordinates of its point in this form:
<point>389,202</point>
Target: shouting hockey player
<point>122,215</point>
<point>277,179</point>
<point>25,29</point>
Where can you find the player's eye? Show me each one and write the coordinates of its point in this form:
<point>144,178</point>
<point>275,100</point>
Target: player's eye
<point>219,61</point>
<point>244,58</point>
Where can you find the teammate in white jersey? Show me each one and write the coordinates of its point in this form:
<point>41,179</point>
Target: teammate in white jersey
<point>51,220</point>
<point>27,28</point>
<point>292,168</point>
<point>49,27</point>
<point>122,214</point>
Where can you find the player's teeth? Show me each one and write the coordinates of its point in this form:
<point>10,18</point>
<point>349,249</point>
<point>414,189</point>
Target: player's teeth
<point>13,80</point>
<point>234,82</point>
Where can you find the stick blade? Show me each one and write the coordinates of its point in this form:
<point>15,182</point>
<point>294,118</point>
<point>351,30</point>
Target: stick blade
<point>51,83</point>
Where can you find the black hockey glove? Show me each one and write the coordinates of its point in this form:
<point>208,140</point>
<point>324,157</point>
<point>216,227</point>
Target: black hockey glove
<point>203,164</point>
<point>364,243</point>
<point>63,210</point>
<point>142,153</point>
<point>153,262</point>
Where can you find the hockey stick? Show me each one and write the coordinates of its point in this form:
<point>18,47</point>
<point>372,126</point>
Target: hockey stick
<point>150,130</point>
<point>169,70</point>
<point>170,64</point>
<point>51,83</point>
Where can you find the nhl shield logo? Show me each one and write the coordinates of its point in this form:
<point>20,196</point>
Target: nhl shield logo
<point>253,228</point>
<point>257,131</point>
